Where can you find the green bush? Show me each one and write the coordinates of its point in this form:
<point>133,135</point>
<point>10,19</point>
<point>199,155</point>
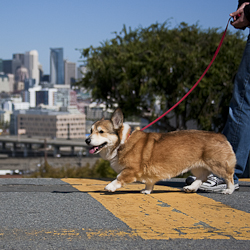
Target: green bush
<point>101,169</point>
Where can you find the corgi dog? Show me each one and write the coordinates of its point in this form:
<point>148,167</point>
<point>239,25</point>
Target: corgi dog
<point>151,157</point>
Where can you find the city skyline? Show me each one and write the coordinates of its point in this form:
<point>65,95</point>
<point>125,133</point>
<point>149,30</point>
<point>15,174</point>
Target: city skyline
<point>29,60</point>
<point>78,24</point>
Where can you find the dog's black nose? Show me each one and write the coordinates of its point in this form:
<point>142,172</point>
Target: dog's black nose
<point>88,140</point>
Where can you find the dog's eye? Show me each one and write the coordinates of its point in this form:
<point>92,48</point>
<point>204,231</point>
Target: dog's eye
<point>90,131</point>
<point>101,132</point>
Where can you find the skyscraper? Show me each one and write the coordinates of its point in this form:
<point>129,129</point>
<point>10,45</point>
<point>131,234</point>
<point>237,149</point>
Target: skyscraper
<point>70,72</point>
<point>7,66</point>
<point>17,62</point>
<point>56,66</point>
<point>32,64</point>
<point>1,65</point>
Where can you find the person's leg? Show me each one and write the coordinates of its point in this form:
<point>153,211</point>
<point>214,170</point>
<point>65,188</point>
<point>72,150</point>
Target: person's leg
<point>237,128</point>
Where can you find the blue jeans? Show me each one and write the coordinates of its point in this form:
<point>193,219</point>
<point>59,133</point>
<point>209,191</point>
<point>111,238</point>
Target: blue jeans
<point>237,128</point>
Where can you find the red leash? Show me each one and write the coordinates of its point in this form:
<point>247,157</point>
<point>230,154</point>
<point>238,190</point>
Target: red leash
<point>188,93</point>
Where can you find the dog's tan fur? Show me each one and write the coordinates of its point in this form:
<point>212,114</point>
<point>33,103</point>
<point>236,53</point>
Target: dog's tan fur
<point>150,157</point>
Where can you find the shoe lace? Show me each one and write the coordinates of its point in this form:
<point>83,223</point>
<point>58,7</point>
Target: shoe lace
<point>215,179</point>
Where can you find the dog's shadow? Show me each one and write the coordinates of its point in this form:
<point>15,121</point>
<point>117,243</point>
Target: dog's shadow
<point>173,184</point>
<point>124,192</point>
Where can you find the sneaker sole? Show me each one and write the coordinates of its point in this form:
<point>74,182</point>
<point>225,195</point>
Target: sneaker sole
<point>218,189</point>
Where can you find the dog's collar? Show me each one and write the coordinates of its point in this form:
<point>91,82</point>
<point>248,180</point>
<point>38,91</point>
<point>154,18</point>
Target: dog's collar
<point>120,147</point>
<point>127,137</point>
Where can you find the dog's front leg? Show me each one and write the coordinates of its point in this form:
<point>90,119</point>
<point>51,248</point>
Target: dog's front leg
<point>112,186</point>
<point>125,177</point>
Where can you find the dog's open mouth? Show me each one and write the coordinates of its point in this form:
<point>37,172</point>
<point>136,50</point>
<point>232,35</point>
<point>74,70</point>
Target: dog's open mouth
<point>97,149</point>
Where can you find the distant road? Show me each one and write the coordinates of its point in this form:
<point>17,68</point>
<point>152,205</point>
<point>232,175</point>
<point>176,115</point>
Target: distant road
<point>32,163</point>
<point>79,214</point>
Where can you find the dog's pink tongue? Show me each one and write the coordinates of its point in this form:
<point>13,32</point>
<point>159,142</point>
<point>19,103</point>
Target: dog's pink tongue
<point>92,150</point>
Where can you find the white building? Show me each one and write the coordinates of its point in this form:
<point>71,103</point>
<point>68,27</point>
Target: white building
<point>32,95</point>
<point>5,116</point>
<point>4,83</point>
<point>11,82</point>
<point>32,64</point>
<point>52,97</point>
<point>7,105</point>
<point>15,103</point>
<point>21,105</point>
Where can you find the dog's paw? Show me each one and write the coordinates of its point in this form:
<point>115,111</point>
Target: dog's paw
<point>112,186</point>
<point>145,191</point>
<point>227,191</point>
<point>188,189</point>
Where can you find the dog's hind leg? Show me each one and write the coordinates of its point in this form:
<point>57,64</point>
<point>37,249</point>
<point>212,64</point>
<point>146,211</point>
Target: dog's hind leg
<point>229,178</point>
<point>201,176</point>
<point>225,170</point>
<point>230,186</point>
<point>149,188</point>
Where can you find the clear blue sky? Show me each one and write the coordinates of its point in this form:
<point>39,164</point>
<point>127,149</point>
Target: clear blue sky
<point>75,24</point>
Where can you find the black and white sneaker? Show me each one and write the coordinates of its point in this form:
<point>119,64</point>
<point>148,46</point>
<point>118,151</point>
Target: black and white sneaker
<point>213,184</point>
<point>190,180</point>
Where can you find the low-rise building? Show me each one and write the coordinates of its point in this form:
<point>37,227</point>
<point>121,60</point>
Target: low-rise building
<point>46,123</point>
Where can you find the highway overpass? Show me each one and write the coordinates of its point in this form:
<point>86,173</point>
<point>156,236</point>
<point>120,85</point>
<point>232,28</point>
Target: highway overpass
<point>27,145</point>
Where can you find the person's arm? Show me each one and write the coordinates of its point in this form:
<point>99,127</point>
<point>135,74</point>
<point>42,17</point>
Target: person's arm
<point>241,17</point>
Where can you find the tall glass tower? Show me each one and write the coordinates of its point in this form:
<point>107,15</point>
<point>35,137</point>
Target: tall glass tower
<point>56,66</point>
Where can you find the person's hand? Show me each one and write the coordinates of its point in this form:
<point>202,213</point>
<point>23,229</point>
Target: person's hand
<point>239,19</point>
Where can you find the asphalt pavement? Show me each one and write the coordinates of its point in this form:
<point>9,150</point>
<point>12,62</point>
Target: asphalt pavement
<point>79,214</point>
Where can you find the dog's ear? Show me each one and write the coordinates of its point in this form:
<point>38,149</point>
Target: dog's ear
<point>117,118</point>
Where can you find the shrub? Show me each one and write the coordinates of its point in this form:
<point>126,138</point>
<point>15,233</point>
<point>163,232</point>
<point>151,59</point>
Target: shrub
<point>101,169</point>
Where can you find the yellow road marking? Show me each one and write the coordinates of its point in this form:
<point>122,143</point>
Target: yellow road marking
<point>168,213</point>
<point>69,234</point>
<point>244,179</point>
<point>109,233</point>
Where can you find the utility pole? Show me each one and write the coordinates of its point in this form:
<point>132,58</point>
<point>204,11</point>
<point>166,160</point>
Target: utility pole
<point>45,151</point>
<point>68,131</point>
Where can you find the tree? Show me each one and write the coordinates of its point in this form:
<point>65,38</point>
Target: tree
<point>138,69</point>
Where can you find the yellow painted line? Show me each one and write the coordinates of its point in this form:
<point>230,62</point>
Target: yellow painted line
<point>69,234</point>
<point>169,213</point>
<point>103,233</point>
<point>244,179</point>
<point>62,232</point>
